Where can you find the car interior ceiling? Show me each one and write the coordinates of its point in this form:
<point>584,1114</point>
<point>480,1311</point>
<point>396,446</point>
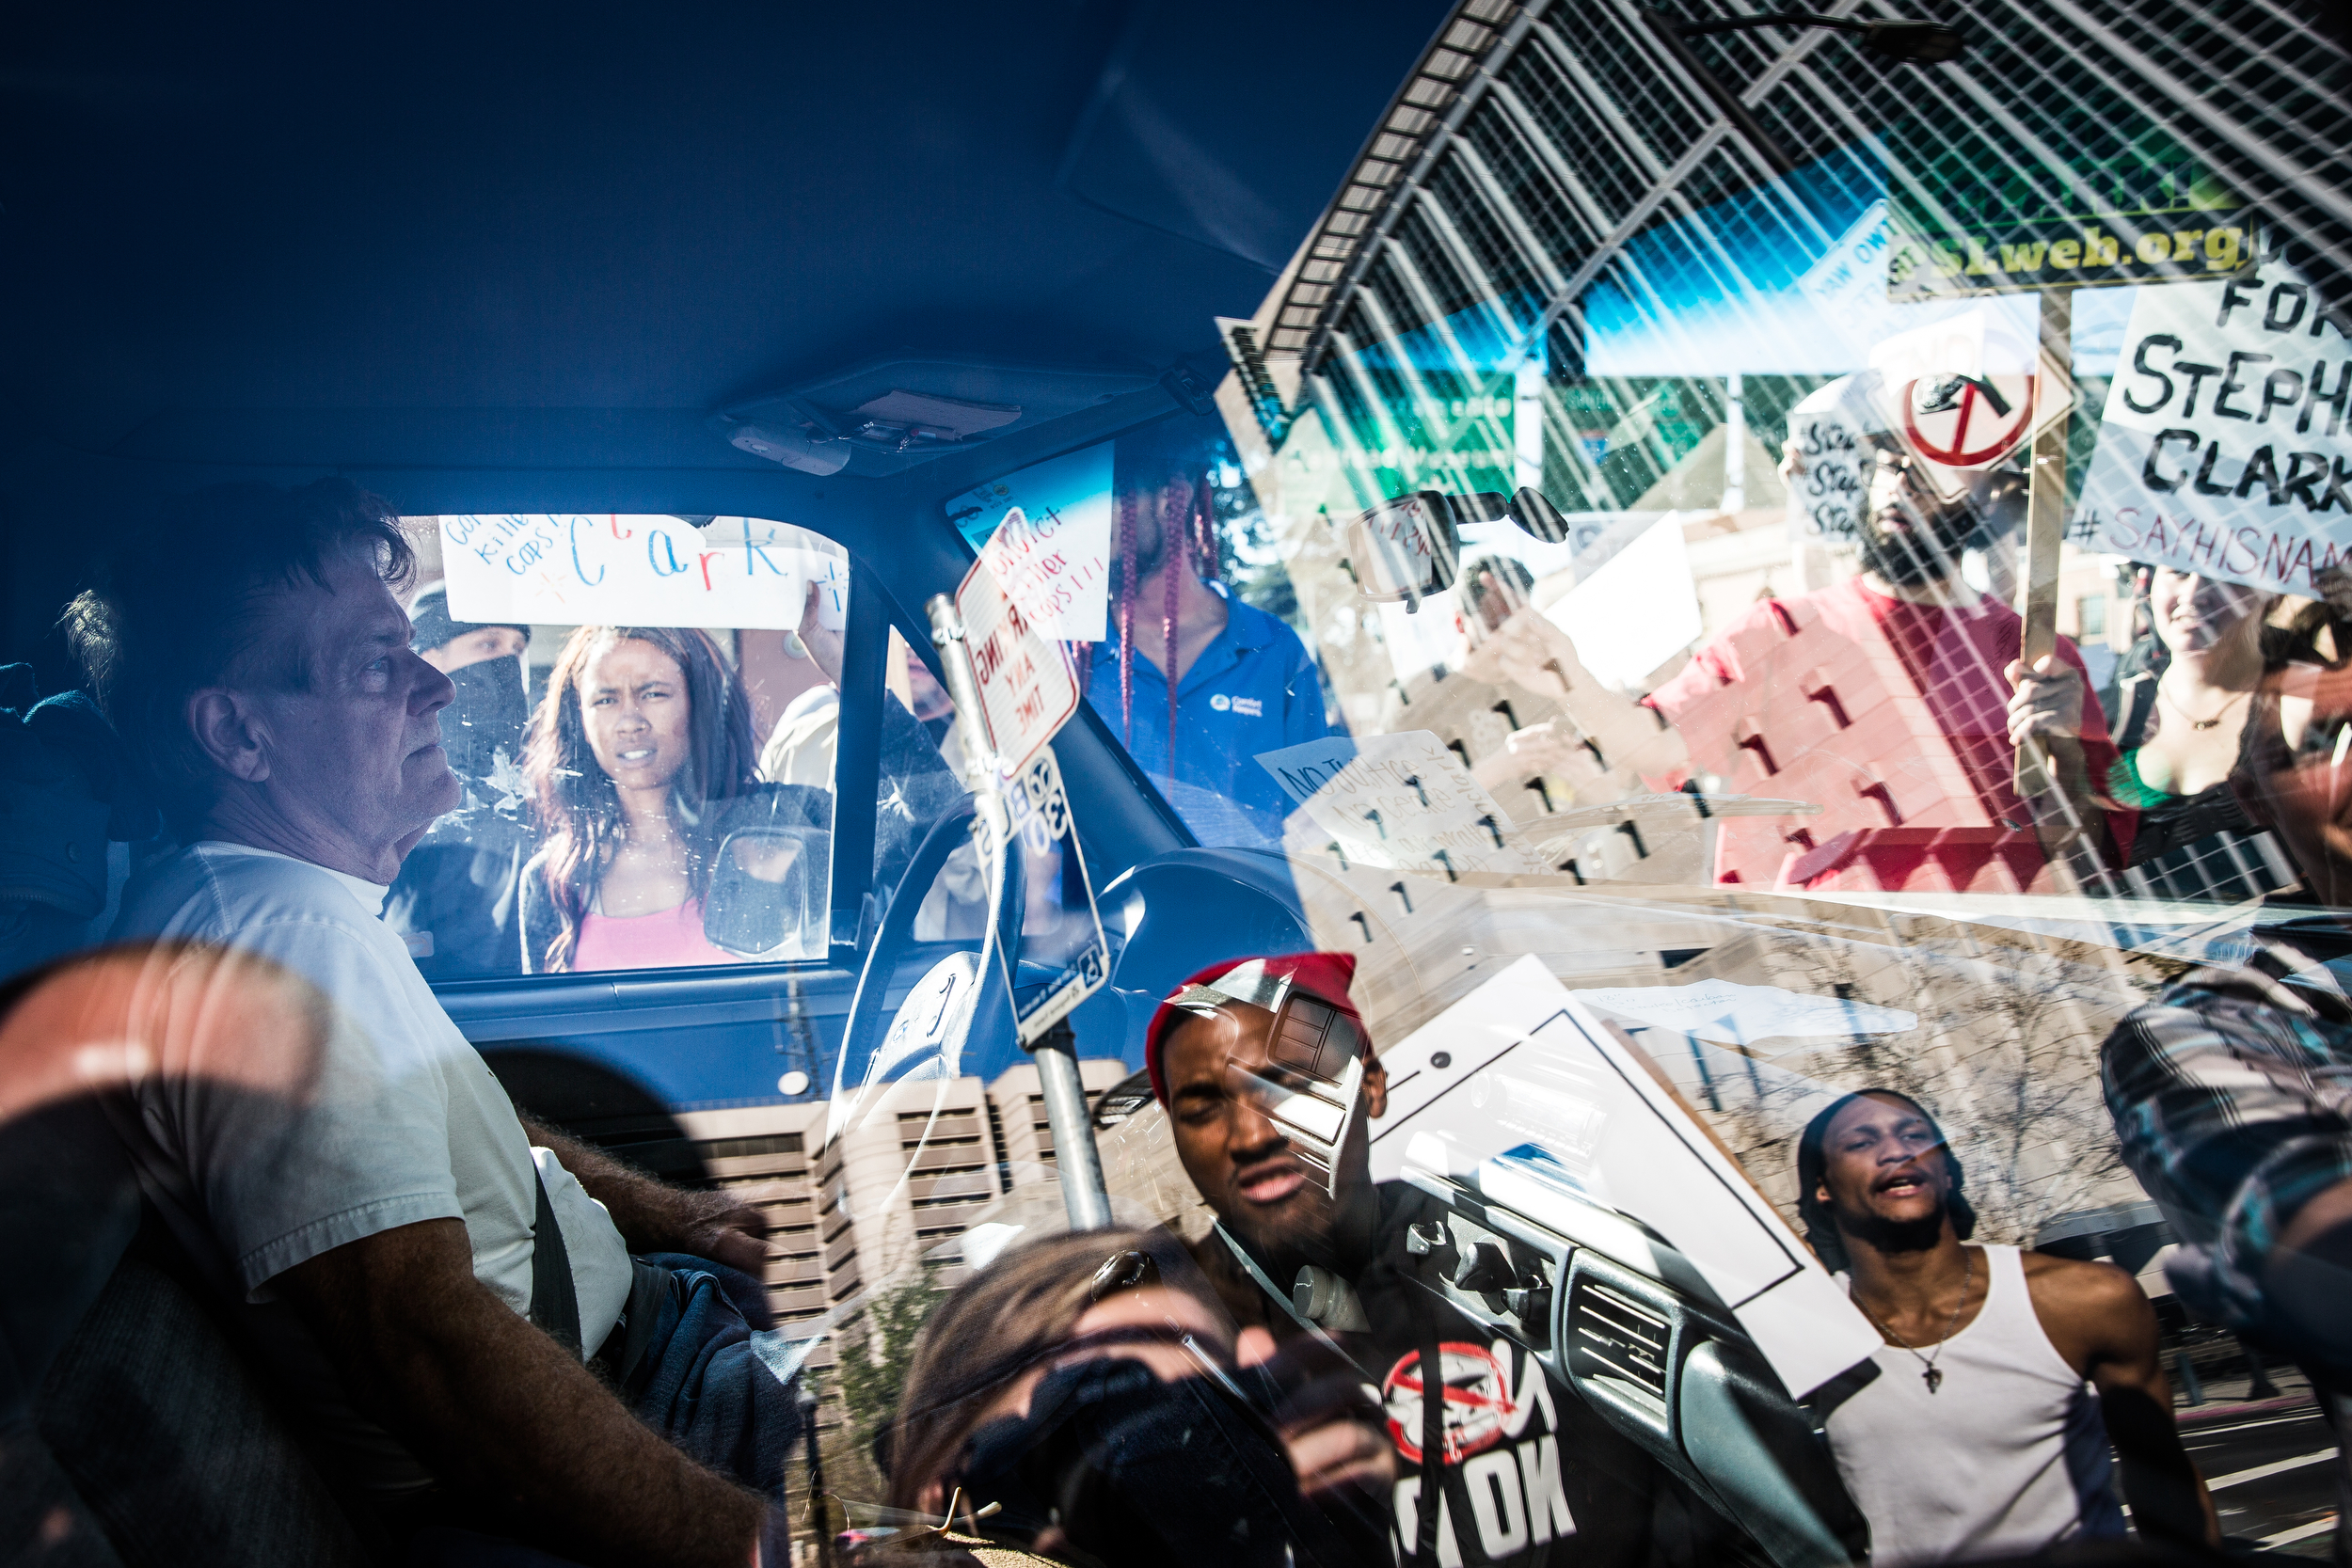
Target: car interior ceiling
<point>967,186</point>
<point>205,320</point>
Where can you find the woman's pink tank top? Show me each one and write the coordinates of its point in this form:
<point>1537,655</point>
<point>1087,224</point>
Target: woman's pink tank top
<point>668,939</point>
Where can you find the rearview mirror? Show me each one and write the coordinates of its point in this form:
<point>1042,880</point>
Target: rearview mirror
<point>767,893</point>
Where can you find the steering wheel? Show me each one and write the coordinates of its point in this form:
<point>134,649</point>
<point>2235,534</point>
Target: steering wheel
<point>1198,907</point>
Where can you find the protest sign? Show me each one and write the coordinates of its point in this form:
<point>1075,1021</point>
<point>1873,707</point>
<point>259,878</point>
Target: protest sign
<point>1046,532</point>
<point>2224,448</point>
<point>1061,580</point>
<point>577,569</point>
<point>1826,493</point>
<point>1401,802</point>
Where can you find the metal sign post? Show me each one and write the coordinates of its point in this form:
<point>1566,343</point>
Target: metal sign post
<point>1086,1196</point>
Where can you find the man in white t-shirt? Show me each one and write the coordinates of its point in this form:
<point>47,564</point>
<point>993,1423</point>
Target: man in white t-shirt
<point>2011,1382</point>
<point>380,1227</point>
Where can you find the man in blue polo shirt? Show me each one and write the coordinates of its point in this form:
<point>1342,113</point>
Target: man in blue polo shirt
<point>1245,684</point>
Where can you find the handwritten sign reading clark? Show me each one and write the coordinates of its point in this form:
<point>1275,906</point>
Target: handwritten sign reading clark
<point>1401,802</point>
<point>2224,449</point>
<point>577,569</point>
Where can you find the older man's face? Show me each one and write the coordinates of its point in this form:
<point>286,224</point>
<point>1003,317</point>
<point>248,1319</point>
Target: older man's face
<point>354,750</point>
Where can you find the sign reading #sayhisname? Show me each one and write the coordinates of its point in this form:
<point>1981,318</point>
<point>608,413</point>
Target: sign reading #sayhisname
<point>2074,252</point>
<point>2224,449</point>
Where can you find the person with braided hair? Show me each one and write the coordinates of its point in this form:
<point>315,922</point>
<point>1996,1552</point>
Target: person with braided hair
<point>1196,682</point>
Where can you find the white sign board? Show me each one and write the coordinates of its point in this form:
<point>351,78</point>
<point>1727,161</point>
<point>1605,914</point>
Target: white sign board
<point>576,569</point>
<point>2225,449</point>
<point>1049,527</point>
<point>1521,1062</point>
<point>1401,802</point>
<point>1028,687</point>
<point>1828,425</point>
<point>1061,580</point>
<point>1636,611</point>
<point>1061,936</point>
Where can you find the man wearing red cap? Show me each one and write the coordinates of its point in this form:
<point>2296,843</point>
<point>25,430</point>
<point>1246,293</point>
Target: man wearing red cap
<point>1270,1079</point>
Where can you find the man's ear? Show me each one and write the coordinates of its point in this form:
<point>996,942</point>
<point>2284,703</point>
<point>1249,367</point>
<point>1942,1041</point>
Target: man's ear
<point>1376,1089</point>
<point>231,732</point>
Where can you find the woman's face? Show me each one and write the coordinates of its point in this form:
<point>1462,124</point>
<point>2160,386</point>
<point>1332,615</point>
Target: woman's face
<point>2193,612</point>
<point>634,708</point>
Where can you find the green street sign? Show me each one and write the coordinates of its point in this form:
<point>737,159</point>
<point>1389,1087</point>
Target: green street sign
<point>2074,252</point>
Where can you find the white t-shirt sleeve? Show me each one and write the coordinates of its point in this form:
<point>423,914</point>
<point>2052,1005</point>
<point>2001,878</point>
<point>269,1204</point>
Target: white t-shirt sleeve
<point>355,1145</point>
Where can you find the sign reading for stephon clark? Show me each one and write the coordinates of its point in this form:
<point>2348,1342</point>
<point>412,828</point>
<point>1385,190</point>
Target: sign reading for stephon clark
<point>1401,802</point>
<point>2224,448</point>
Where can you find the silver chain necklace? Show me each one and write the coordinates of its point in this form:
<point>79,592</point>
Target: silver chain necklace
<point>1933,1376</point>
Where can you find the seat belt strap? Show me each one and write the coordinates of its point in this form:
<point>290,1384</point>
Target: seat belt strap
<point>554,1302</point>
<point>1249,1266</point>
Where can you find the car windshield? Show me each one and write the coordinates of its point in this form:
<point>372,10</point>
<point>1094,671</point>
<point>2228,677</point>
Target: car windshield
<point>1754,559</point>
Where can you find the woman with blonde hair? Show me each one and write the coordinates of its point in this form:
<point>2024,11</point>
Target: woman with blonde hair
<point>2185,731</point>
<point>1091,1386</point>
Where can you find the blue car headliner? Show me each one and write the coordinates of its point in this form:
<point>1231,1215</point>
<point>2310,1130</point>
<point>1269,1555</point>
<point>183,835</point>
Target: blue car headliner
<point>512,257</point>
<point>438,237</point>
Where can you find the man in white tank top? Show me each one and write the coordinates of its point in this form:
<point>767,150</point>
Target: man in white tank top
<point>2006,1374</point>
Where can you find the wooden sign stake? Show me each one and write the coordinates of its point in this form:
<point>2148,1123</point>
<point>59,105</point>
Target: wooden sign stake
<point>2046,530</point>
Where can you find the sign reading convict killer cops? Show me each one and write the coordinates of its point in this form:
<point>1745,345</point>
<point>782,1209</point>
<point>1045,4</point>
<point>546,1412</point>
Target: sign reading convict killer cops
<point>2224,449</point>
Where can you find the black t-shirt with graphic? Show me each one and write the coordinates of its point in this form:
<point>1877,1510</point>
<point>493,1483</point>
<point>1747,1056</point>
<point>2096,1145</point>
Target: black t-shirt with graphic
<point>1529,1474</point>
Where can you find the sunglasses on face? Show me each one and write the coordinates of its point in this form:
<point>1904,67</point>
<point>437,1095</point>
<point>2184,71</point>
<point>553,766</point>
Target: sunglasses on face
<point>1405,549</point>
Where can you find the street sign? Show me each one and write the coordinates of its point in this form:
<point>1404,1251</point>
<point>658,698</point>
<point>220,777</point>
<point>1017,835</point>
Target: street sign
<point>1028,687</point>
<point>2145,210</point>
<point>1062,959</point>
<point>1966,393</point>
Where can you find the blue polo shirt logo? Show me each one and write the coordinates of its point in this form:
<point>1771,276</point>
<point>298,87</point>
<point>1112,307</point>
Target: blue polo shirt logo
<point>1223,730</point>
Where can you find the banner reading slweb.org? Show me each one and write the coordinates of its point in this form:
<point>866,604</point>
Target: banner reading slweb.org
<point>2225,449</point>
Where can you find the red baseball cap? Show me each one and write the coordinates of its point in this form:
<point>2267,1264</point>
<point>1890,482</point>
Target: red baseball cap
<point>1261,981</point>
